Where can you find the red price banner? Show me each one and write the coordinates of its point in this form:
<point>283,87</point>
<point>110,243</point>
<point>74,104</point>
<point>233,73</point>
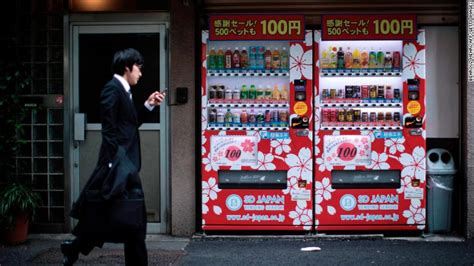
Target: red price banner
<point>369,27</point>
<point>256,27</point>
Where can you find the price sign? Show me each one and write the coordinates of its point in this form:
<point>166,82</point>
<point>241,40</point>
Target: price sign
<point>369,27</point>
<point>256,27</point>
<point>347,150</point>
<point>234,150</point>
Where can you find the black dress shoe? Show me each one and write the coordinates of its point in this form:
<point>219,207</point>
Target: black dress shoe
<point>70,252</point>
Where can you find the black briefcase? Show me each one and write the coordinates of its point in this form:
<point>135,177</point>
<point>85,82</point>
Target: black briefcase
<point>110,216</point>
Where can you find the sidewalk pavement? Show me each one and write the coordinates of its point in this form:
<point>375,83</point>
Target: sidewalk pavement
<point>43,249</point>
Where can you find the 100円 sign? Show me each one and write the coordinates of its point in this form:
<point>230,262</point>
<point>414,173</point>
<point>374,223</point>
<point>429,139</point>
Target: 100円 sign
<point>369,27</point>
<point>256,27</point>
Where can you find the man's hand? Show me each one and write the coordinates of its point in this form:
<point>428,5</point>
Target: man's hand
<point>156,98</point>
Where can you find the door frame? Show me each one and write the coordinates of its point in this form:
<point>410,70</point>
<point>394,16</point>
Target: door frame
<point>116,23</point>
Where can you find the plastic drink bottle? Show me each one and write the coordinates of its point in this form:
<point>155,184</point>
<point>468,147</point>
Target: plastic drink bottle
<point>388,61</point>
<point>372,59</point>
<point>284,59</point>
<point>284,93</point>
<point>252,92</point>
<point>364,59</point>
<point>244,59</point>
<point>244,93</point>
<point>276,61</point>
<point>211,59</point>
<point>356,59</point>
<point>220,59</point>
<point>228,59</point>
<point>276,93</point>
<point>253,57</point>
<point>348,58</point>
<point>260,58</point>
<point>380,59</point>
<point>340,58</point>
<point>236,59</point>
<point>268,59</point>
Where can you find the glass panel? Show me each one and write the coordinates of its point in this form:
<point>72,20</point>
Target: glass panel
<point>56,198</point>
<point>56,132</point>
<point>39,133</point>
<point>25,133</point>
<point>55,116</point>
<point>252,179</point>
<point>57,215</point>
<point>56,149</point>
<point>39,117</point>
<point>25,149</point>
<point>56,166</point>
<point>41,214</point>
<point>40,149</point>
<point>95,58</point>
<point>40,182</point>
<point>41,165</point>
<point>56,182</point>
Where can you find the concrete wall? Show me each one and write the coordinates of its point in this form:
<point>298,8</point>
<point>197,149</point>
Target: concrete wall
<point>183,118</point>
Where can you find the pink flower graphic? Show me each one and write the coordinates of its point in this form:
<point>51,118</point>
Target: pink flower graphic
<point>302,216</point>
<point>247,145</point>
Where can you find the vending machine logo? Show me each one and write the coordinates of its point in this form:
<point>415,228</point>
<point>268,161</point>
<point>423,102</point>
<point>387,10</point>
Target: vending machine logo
<point>348,202</point>
<point>233,202</point>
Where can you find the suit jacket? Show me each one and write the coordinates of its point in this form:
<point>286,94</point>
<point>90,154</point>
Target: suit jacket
<point>121,148</point>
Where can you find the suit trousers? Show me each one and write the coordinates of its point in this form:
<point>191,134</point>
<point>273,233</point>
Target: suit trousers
<point>134,249</point>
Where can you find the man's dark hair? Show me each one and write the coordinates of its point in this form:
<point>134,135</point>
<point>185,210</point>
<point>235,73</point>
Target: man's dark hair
<point>126,58</point>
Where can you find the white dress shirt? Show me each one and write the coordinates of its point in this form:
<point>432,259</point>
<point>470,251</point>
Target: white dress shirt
<point>127,90</point>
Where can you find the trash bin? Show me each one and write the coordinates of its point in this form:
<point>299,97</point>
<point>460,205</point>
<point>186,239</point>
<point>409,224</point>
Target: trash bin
<point>440,190</point>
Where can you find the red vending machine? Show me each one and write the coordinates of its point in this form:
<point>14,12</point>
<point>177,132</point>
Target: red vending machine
<point>257,123</point>
<point>370,124</point>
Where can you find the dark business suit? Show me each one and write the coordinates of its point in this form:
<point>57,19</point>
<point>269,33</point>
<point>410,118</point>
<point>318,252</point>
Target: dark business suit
<point>120,121</point>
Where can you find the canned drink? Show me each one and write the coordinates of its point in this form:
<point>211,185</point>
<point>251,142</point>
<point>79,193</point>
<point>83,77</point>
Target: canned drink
<point>212,92</point>
<point>340,93</point>
<point>373,117</point>
<point>325,94</point>
<point>380,117</point>
<point>365,117</point>
<point>396,93</point>
<point>326,115</point>
<point>333,115</point>
<point>236,94</point>
<point>356,115</point>
<point>228,94</point>
<point>365,92</point>
<point>396,61</point>
<point>213,116</point>
<point>388,117</point>
<point>349,92</point>
<point>396,117</point>
<point>332,93</point>
<point>349,115</point>
<point>373,91</point>
<point>268,116</point>
<point>341,115</point>
<point>283,115</point>
<point>356,92</point>
<point>388,92</point>
<point>381,92</point>
<point>275,117</point>
<point>252,118</point>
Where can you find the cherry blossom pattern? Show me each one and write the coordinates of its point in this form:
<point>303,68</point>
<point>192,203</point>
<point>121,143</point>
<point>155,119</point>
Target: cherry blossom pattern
<point>395,145</point>
<point>421,38</point>
<point>264,162</point>
<point>413,62</point>
<point>255,134</point>
<point>301,165</point>
<point>405,183</point>
<point>308,38</point>
<point>415,214</point>
<point>301,215</point>
<point>203,142</point>
<point>209,165</point>
<point>316,145</point>
<point>323,165</point>
<point>281,145</point>
<point>292,184</point>
<point>323,192</point>
<point>414,165</point>
<point>300,62</point>
<point>209,191</point>
<point>379,161</point>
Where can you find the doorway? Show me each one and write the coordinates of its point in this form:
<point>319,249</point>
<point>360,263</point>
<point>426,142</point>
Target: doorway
<point>92,46</point>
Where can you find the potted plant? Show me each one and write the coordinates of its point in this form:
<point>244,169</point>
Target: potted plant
<point>17,200</point>
<point>17,204</point>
